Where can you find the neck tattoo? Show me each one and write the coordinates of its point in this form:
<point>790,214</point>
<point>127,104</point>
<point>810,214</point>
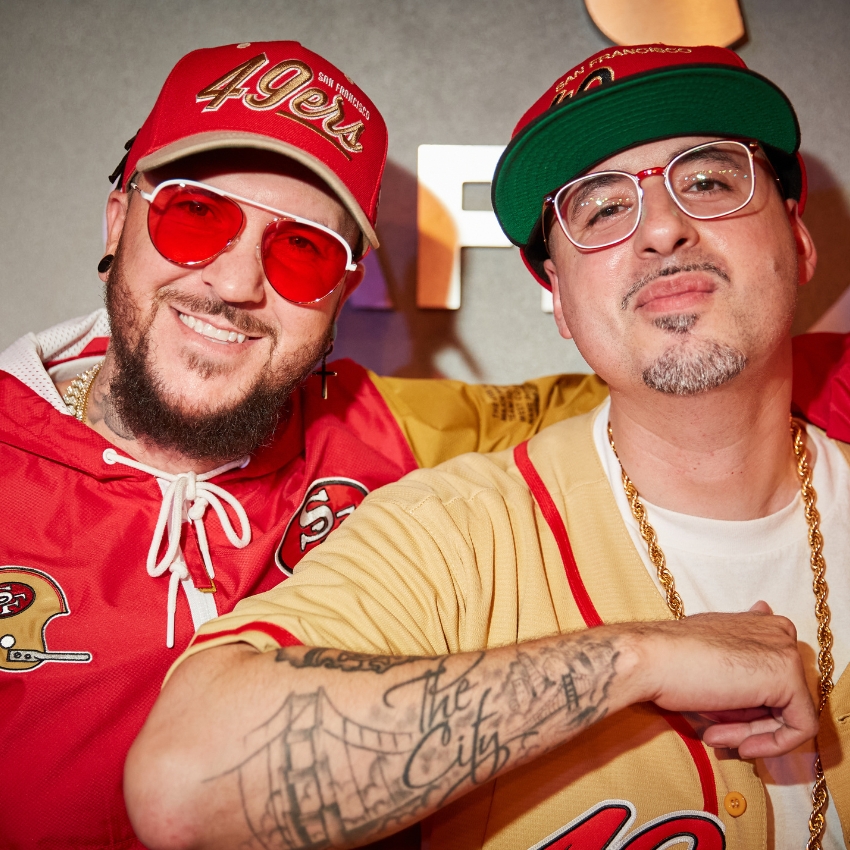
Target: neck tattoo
<point>76,397</point>
<point>820,795</point>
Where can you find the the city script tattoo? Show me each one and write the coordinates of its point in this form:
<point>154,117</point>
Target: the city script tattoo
<point>315,775</point>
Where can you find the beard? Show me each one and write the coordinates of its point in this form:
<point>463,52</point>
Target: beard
<point>149,411</point>
<point>695,368</point>
<point>694,365</point>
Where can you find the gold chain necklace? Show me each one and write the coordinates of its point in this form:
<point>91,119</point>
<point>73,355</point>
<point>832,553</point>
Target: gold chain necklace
<point>76,397</point>
<point>820,795</point>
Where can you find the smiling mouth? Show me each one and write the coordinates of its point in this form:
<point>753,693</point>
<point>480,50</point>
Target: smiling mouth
<point>205,329</point>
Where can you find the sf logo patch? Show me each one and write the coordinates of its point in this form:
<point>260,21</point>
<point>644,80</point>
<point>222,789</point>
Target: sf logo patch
<point>327,503</point>
<point>29,600</point>
<point>606,827</point>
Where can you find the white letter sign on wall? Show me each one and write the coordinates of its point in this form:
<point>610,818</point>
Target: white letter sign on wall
<point>444,225</point>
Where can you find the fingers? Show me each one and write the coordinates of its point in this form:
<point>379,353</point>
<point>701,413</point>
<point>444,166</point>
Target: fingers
<point>761,607</point>
<point>742,671</point>
<point>774,739</point>
<point>738,715</point>
<point>766,735</point>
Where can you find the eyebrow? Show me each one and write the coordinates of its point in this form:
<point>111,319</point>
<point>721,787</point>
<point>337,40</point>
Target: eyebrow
<point>680,151</point>
<point>673,154</point>
<point>600,181</point>
<point>720,157</point>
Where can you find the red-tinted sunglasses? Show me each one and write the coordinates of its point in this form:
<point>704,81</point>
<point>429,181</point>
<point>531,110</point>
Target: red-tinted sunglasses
<point>191,223</point>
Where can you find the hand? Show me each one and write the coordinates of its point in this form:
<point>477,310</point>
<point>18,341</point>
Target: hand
<point>743,671</point>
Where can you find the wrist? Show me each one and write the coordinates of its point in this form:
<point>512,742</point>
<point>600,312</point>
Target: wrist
<point>635,666</point>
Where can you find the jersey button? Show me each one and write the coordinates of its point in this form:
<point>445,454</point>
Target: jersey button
<point>735,803</point>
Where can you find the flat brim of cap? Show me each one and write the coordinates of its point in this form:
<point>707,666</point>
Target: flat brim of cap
<point>685,100</point>
<point>230,139</point>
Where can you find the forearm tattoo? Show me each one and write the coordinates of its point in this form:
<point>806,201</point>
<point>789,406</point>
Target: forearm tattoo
<point>349,662</point>
<point>315,775</point>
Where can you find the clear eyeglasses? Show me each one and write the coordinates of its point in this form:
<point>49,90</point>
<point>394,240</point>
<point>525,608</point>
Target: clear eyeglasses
<point>707,181</point>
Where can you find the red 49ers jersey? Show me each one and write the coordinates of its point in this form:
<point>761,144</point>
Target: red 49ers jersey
<point>82,625</point>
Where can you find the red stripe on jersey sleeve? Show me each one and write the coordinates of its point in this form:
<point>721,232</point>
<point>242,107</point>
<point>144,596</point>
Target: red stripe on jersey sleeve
<point>283,637</point>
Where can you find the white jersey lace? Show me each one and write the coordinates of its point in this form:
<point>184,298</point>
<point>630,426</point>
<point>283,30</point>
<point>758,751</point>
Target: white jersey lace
<point>188,495</point>
<point>185,496</point>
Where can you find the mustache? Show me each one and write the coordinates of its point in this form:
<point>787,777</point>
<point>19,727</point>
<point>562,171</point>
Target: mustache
<point>240,319</point>
<point>639,284</point>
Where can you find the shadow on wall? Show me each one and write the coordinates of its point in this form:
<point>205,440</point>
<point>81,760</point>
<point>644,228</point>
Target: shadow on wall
<point>404,341</point>
<point>828,218</point>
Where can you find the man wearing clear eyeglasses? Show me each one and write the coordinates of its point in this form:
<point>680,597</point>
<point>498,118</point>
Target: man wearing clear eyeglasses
<point>534,607</point>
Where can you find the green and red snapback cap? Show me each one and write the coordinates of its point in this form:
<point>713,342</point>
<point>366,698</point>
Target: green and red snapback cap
<point>626,96</point>
<point>275,96</point>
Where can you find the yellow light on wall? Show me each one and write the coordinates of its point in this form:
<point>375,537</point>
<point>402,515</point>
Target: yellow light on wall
<point>686,22</point>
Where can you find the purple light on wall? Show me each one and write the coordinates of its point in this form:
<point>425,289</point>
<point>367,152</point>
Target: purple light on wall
<point>373,293</point>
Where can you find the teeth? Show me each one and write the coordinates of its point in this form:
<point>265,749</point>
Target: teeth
<point>207,330</point>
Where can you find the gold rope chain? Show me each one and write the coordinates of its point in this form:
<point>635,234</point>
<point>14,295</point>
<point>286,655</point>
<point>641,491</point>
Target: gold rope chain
<point>820,795</point>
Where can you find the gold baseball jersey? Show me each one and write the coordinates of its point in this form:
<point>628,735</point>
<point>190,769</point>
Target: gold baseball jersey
<point>463,558</point>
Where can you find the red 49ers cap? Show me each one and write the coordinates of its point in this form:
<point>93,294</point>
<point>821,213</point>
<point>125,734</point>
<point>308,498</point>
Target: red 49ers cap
<point>626,96</point>
<point>275,96</point>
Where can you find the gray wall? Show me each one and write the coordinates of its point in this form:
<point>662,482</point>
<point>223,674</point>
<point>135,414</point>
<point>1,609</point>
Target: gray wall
<point>79,78</point>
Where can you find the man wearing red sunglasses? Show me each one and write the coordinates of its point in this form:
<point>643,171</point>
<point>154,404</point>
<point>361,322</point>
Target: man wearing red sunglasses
<point>531,608</point>
<point>169,456</point>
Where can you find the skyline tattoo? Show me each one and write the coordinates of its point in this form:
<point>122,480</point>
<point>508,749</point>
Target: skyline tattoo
<point>315,776</point>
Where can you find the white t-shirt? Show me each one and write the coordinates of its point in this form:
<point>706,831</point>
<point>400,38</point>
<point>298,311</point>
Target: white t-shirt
<point>727,565</point>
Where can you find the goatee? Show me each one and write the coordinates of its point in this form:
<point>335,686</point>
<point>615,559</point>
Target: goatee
<point>150,412</point>
<point>696,368</point>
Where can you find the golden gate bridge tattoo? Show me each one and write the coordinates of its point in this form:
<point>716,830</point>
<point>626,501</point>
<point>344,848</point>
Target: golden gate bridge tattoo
<point>315,776</point>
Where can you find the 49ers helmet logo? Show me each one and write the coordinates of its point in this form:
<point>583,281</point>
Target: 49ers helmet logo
<point>29,600</point>
<point>15,597</point>
<point>327,503</point>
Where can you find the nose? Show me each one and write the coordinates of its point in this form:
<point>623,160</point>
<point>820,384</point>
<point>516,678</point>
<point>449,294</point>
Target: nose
<point>663,227</point>
<point>236,274</point>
